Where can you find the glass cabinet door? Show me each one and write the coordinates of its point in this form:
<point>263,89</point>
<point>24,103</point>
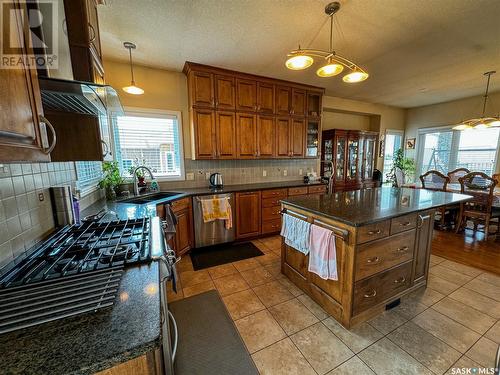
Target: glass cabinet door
<point>369,158</point>
<point>340,158</point>
<point>326,168</point>
<point>352,158</point>
<point>361,157</point>
<point>312,139</point>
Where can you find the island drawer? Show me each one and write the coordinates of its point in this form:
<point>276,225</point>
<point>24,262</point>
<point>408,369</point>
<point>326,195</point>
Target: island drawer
<point>378,288</point>
<point>274,193</point>
<point>180,204</point>
<point>383,254</point>
<point>271,202</point>
<point>271,226</point>
<point>372,232</point>
<point>319,189</point>
<point>297,191</point>
<point>270,213</point>
<point>402,223</point>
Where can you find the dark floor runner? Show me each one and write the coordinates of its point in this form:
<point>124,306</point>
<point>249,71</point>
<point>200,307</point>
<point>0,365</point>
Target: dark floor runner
<point>211,256</point>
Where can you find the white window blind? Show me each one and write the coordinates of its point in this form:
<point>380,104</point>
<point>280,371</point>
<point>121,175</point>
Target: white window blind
<point>149,139</point>
<point>88,174</point>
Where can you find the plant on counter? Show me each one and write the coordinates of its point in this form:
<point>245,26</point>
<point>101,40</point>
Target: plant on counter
<point>111,179</point>
<point>406,165</point>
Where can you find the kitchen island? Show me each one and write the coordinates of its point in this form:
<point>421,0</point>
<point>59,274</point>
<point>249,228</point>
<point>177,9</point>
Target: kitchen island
<point>383,246</point>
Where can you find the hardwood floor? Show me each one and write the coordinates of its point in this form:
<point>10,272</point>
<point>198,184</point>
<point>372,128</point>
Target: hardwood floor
<point>468,248</point>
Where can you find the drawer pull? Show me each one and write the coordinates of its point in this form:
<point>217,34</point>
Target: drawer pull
<point>405,224</point>
<point>372,232</point>
<point>402,249</point>
<point>371,294</point>
<point>401,280</point>
<point>373,260</point>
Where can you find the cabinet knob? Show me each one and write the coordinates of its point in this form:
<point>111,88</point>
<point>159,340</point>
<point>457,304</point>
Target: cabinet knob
<point>372,232</point>
<point>373,260</point>
<point>402,249</point>
<point>370,294</point>
<point>401,280</point>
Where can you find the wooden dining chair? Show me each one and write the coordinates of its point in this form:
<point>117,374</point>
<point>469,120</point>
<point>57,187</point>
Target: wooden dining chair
<point>480,208</point>
<point>435,180</point>
<point>496,176</point>
<point>455,174</point>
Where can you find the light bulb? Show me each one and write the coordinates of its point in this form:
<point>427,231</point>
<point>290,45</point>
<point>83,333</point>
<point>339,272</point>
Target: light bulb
<point>330,70</point>
<point>133,89</point>
<point>356,76</point>
<point>299,62</point>
<point>462,127</point>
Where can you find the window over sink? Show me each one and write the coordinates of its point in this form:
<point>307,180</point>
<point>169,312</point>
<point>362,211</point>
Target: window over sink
<point>151,138</point>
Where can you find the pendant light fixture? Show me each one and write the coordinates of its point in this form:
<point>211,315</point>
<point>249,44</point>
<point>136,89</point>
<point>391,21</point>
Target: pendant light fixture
<point>300,59</point>
<point>482,122</point>
<point>132,89</point>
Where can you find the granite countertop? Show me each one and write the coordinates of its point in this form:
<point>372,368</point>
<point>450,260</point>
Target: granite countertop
<point>92,342</point>
<point>360,207</point>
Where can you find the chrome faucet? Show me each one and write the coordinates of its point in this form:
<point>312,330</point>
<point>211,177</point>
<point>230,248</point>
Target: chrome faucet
<point>136,180</point>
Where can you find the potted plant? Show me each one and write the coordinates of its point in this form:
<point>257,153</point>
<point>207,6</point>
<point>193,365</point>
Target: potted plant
<point>111,179</point>
<point>406,165</point>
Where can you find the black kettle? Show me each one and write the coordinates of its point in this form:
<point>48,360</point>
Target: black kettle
<point>216,180</point>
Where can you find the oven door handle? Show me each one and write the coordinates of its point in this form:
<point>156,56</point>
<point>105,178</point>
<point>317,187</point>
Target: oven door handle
<point>176,335</point>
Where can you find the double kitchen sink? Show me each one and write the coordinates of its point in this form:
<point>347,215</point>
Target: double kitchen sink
<point>148,198</point>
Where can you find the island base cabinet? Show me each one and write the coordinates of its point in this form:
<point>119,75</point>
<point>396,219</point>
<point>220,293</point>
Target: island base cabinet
<point>423,241</point>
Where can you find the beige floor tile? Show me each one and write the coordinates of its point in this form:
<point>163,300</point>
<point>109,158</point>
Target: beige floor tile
<point>292,316</point>
<point>354,366</point>
<point>409,308</point>
<point>450,275</point>
<point>262,247</point>
<point>441,285</point>
<point>242,304</point>
<point>268,258</point>
<point>386,358</point>
<point>436,260</point>
<point>426,296</point>
<point>282,358</point>
<point>291,287</point>
<point>462,268</point>
<point>454,334</point>
<point>322,349</point>
<point>313,307</point>
<point>274,242</point>
<point>484,288</point>
<point>424,347</point>
<point>272,293</point>
<point>466,315</point>
<point>463,365</point>
<point>356,338</point>
<point>490,278</point>
<point>230,284</point>
<point>259,330</point>
<point>483,352</point>
<point>388,321</point>
<point>189,278</point>
<point>494,333</point>
<point>172,296</point>
<point>246,264</point>
<point>198,288</point>
<point>274,268</point>
<point>222,270</point>
<point>257,276</point>
<point>184,264</point>
<point>478,301</point>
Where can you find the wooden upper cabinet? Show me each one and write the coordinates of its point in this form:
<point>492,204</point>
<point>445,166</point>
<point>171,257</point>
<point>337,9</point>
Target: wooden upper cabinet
<point>283,100</point>
<point>21,131</point>
<point>246,95</point>
<point>226,135</point>
<point>298,102</point>
<point>297,137</point>
<point>202,93</point>
<point>224,92</point>
<point>246,133</point>
<point>266,137</point>
<point>93,25</point>
<point>248,214</point>
<point>204,133</point>
<point>265,97</point>
<point>283,137</point>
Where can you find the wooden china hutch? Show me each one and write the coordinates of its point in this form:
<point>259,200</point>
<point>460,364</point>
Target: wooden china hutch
<point>353,155</point>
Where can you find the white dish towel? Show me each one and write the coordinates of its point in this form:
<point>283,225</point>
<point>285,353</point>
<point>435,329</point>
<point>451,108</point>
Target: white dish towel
<point>322,253</point>
<point>296,233</point>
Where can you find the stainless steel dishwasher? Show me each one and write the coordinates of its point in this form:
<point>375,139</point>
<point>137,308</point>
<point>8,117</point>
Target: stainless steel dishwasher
<point>214,232</point>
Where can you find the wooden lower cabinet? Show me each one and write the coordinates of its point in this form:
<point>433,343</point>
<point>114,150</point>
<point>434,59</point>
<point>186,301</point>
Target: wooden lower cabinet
<point>183,240</point>
<point>425,226</point>
<point>248,214</point>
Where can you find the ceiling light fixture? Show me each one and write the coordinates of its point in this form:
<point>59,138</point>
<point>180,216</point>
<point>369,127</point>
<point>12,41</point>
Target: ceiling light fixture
<point>132,89</point>
<point>482,122</point>
<point>300,59</point>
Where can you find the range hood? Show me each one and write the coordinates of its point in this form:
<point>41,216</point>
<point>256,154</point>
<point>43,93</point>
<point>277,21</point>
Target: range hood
<point>79,97</point>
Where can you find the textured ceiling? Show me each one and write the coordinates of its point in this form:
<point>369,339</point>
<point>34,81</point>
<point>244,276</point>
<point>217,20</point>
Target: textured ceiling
<point>417,52</point>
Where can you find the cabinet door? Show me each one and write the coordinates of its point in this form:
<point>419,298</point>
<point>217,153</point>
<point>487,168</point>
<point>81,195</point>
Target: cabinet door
<point>265,97</point>
<point>283,137</point>
<point>425,225</point>
<point>226,135</point>
<point>22,136</point>
<point>312,138</point>
<point>246,132</point>
<point>340,157</point>
<point>202,89</point>
<point>352,157</point>
<point>266,137</point>
<point>247,214</point>
<point>369,158</point>
<point>204,133</point>
<point>184,232</point>
<point>298,102</point>
<point>297,140</point>
<point>246,95</point>
<point>283,100</point>
<point>224,92</point>
<point>93,25</point>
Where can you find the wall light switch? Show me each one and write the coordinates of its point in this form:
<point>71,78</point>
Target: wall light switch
<point>300,172</point>
<point>190,176</point>
<point>264,173</point>
<point>285,172</point>
<point>207,175</point>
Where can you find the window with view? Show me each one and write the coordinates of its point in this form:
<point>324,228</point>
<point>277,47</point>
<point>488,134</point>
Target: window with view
<point>88,174</point>
<point>149,139</point>
<point>447,149</point>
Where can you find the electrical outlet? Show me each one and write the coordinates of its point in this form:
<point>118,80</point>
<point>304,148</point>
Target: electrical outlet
<point>190,176</point>
<point>285,172</point>
<point>41,197</point>
<point>207,175</point>
<point>300,172</point>
<point>264,173</point>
